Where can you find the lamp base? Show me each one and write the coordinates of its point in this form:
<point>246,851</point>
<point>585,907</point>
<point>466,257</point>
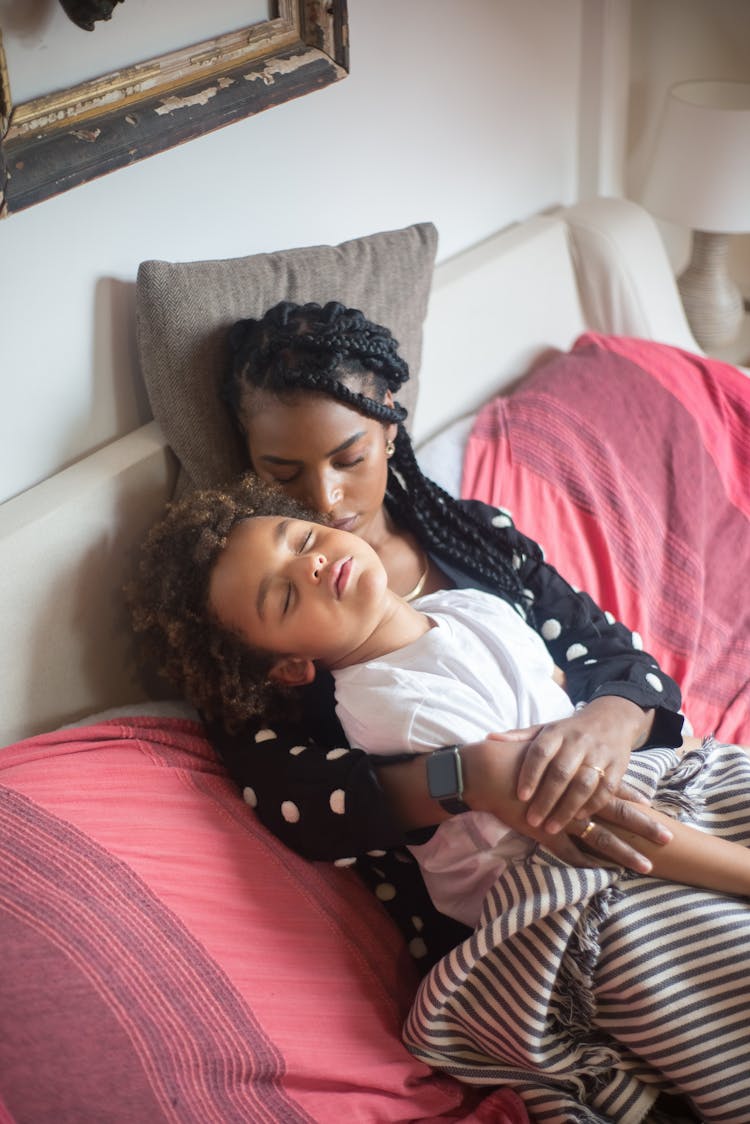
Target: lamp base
<point>713,303</point>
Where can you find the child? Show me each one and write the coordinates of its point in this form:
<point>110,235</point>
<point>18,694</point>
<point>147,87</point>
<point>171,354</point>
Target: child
<point>241,589</point>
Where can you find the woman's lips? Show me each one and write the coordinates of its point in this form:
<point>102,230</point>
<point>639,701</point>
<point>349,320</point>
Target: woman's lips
<point>340,575</point>
<point>346,524</point>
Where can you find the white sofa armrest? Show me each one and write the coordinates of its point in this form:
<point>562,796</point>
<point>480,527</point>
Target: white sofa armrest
<point>625,280</point>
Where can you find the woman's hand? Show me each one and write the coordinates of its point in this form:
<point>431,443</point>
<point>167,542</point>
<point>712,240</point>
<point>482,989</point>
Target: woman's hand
<point>604,837</point>
<point>574,767</point>
<point>491,780</point>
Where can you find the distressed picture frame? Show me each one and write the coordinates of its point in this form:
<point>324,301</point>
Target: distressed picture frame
<point>53,143</point>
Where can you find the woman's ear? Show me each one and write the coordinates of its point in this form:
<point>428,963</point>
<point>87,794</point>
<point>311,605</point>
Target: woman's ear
<point>392,429</point>
<point>292,671</point>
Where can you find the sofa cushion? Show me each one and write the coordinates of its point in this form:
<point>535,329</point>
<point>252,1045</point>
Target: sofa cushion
<point>165,958</point>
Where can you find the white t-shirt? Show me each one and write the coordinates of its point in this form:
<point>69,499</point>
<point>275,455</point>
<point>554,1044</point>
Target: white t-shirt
<point>481,668</point>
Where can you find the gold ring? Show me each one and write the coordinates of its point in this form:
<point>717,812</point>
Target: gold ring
<point>587,829</point>
<point>598,770</point>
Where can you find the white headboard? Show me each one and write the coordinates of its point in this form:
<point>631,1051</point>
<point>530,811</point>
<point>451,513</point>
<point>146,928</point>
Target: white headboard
<point>64,544</point>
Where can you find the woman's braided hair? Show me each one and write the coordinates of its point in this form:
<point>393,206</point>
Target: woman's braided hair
<point>301,348</point>
<point>178,633</point>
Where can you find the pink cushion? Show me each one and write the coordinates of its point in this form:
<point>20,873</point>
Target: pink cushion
<point>165,958</point>
<point>629,462</point>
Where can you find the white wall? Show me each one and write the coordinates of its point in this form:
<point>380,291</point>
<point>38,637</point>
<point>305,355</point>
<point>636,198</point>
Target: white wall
<point>471,113</point>
<point>464,112</point>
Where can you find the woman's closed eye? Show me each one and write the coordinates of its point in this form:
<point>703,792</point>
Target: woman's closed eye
<point>293,475</point>
<point>349,464</point>
<point>306,542</point>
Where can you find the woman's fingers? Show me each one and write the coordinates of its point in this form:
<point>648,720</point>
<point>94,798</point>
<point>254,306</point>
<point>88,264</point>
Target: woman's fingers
<point>635,819</point>
<point>554,775</point>
<point>605,792</point>
<point>573,766</point>
<point>522,734</point>
<point>602,784</point>
<point>578,792</point>
<point>603,842</point>
<point>563,777</point>
<point>544,743</point>
<point>569,765</point>
<point>587,841</point>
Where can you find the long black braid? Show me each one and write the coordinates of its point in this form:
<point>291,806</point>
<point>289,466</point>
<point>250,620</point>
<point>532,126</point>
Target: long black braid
<point>308,347</point>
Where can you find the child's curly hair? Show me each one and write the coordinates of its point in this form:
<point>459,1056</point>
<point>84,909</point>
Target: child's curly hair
<point>212,667</point>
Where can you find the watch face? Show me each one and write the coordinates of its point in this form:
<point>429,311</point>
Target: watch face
<point>444,774</point>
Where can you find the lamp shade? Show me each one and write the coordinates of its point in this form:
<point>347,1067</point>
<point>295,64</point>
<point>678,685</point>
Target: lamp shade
<point>700,172</point>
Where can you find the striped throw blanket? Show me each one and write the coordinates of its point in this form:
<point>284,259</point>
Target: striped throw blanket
<point>588,992</point>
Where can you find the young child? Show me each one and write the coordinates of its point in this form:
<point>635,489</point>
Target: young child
<point>241,593</point>
<point>461,664</point>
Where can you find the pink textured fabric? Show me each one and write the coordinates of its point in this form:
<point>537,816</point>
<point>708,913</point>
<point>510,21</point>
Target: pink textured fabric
<point>165,957</point>
<point>629,462</point>
<point>501,1107</point>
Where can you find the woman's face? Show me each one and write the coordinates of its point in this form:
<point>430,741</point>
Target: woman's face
<point>324,453</point>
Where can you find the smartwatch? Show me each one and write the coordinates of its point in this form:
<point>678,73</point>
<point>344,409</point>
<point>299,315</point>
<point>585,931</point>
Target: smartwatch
<point>445,781</point>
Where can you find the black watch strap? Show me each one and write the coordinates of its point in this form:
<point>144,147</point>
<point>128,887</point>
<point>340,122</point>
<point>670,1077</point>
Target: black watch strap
<point>445,779</point>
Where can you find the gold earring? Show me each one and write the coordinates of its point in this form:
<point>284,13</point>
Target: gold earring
<point>390,448</point>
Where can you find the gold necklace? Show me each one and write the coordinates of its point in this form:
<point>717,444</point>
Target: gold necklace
<point>422,579</point>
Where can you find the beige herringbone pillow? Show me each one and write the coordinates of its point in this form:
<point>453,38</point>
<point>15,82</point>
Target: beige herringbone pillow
<point>184,311</point>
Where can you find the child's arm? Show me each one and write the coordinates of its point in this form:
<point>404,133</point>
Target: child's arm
<point>694,857</point>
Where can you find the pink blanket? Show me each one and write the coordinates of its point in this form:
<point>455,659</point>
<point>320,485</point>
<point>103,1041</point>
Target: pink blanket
<point>629,462</point>
<point>166,960</point>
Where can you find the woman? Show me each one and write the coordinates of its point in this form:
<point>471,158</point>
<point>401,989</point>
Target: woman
<point>312,391</point>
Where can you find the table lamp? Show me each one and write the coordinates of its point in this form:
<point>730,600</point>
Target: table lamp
<point>700,178</point>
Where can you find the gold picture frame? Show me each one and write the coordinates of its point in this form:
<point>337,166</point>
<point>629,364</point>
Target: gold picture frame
<point>55,142</point>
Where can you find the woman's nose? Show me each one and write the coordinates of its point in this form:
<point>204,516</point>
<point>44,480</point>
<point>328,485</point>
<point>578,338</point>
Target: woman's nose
<point>324,492</point>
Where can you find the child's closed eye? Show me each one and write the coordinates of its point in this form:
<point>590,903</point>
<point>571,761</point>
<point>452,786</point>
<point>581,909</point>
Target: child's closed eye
<point>306,542</point>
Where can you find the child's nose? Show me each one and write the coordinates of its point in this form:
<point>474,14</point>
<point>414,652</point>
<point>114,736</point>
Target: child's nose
<point>318,563</point>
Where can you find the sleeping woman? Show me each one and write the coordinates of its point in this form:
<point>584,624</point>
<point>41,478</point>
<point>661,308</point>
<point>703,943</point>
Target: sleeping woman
<point>312,390</point>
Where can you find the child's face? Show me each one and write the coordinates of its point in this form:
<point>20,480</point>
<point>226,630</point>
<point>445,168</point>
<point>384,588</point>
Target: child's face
<point>299,589</point>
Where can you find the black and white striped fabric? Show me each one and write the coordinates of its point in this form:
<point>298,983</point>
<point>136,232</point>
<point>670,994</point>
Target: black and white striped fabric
<point>591,991</point>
